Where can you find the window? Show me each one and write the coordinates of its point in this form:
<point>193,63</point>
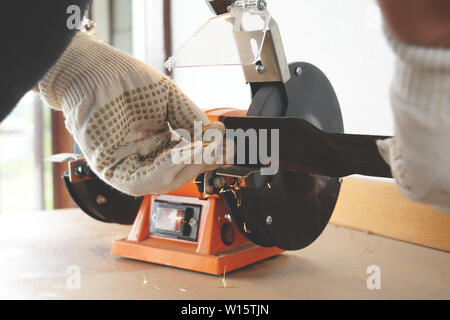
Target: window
<point>25,139</point>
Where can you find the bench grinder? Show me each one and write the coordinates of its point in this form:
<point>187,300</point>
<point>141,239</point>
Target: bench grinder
<point>235,216</point>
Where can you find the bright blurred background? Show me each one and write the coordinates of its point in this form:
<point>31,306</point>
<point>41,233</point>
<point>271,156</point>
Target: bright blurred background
<point>343,38</point>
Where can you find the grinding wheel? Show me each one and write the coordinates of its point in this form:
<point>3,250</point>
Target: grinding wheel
<point>290,210</point>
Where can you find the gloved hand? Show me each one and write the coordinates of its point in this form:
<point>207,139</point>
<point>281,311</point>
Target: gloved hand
<point>118,110</point>
<point>419,153</point>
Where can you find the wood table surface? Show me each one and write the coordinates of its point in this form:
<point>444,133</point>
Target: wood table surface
<point>39,252</point>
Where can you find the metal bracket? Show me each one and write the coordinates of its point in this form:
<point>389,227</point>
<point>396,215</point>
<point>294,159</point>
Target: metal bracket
<point>273,66</point>
<point>223,6</point>
<point>79,171</point>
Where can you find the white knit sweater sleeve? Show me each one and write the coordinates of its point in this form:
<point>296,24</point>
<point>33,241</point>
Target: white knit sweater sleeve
<point>118,109</point>
<point>419,153</point>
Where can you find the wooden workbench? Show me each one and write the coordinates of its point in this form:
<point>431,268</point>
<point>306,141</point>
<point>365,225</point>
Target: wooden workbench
<point>37,249</point>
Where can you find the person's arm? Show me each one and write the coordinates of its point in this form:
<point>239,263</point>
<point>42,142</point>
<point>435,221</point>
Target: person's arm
<point>419,22</point>
<point>33,34</point>
<point>118,109</point>
<point>419,154</point>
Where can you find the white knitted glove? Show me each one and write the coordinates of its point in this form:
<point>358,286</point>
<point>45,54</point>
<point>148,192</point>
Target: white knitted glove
<point>419,154</point>
<point>118,109</point>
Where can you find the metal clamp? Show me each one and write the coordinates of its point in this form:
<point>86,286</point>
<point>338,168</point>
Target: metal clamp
<point>247,4</point>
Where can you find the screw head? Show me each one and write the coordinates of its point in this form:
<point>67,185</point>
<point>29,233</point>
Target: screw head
<point>298,71</point>
<point>101,199</point>
<point>260,69</point>
<point>262,4</point>
<point>193,222</point>
<point>79,171</point>
<point>269,220</point>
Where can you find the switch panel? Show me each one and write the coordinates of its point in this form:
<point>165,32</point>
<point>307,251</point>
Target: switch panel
<point>175,220</point>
